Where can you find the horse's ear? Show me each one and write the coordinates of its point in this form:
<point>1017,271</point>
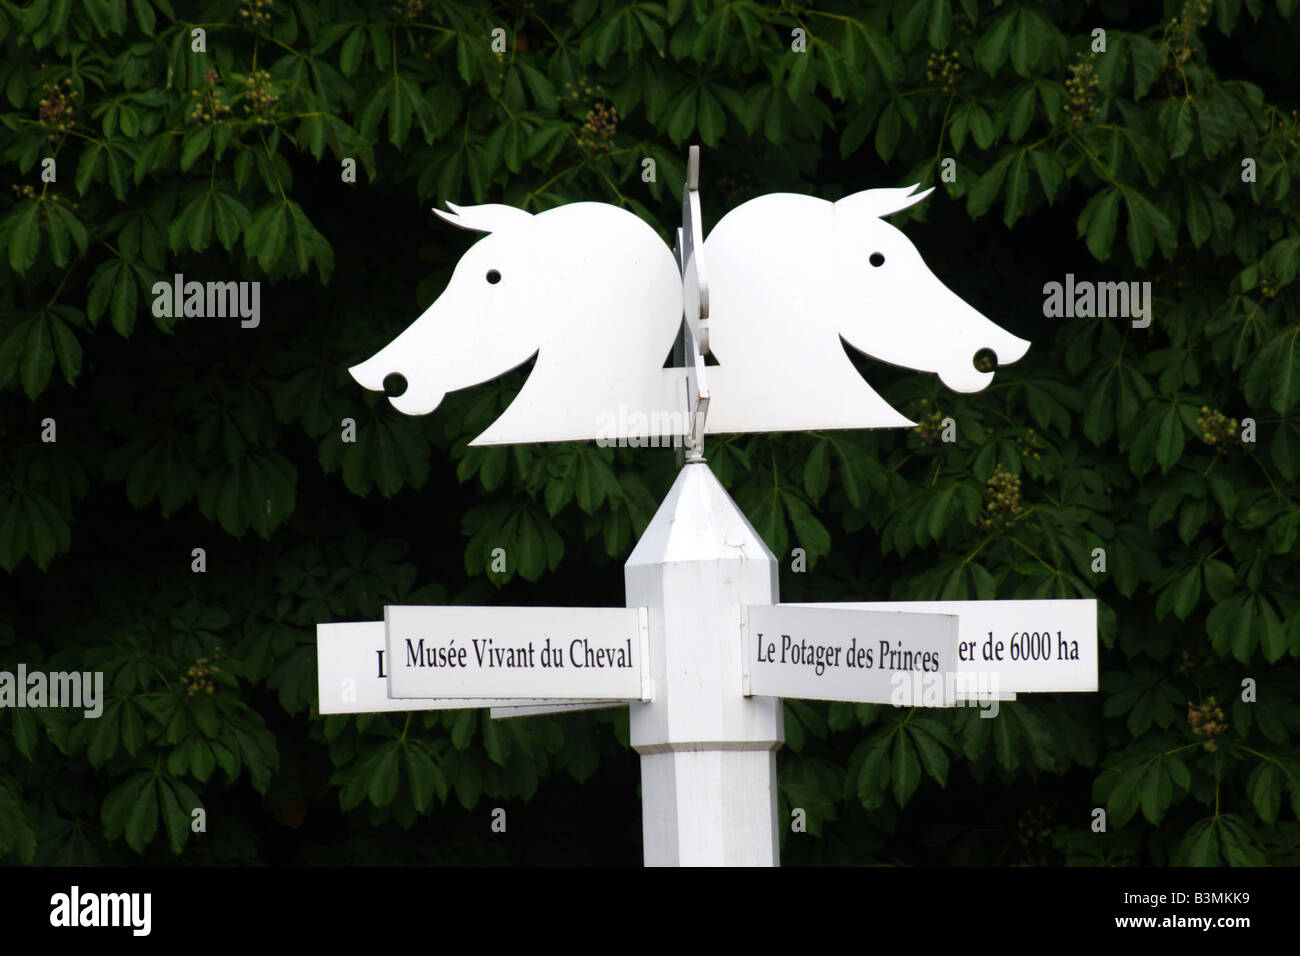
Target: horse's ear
<point>882,202</point>
<point>489,217</point>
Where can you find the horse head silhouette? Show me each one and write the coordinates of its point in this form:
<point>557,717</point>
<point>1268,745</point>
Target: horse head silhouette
<point>790,276</point>
<point>588,288</point>
<point>596,296</point>
<point>925,326</point>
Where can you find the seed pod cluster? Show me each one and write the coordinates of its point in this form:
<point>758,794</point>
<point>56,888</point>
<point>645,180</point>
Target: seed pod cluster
<point>1207,720</point>
<point>1004,505</point>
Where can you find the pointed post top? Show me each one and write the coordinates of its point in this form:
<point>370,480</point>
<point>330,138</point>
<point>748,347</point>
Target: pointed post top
<point>699,522</point>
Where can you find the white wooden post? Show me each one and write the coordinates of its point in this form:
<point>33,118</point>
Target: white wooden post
<point>708,754</point>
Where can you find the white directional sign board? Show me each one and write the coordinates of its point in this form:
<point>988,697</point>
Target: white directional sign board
<point>1014,646</point>
<point>578,653</point>
<point>352,679</point>
<point>878,656</point>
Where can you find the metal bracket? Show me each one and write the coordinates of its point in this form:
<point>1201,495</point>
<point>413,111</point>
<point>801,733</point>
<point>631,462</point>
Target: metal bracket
<point>689,251</point>
<point>643,636</point>
<point>744,652</point>
<point>695,282</point>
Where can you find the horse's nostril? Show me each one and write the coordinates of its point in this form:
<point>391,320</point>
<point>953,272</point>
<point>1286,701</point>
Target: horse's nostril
<point>394,384</point>
<point>985,360</point>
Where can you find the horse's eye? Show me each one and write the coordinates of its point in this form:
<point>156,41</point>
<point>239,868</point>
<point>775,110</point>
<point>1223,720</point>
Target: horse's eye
<point>493,276</point>
<point>877,259</point>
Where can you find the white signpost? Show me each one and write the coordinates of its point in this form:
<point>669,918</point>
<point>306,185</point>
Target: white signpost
<point>579,653</point>
<point>352,678</point>
<point>1028,646</point>
<point>703,653</point>
<point>871,657</point>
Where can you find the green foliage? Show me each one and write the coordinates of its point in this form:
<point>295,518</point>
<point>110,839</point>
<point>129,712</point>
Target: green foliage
<point>177,433</point>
